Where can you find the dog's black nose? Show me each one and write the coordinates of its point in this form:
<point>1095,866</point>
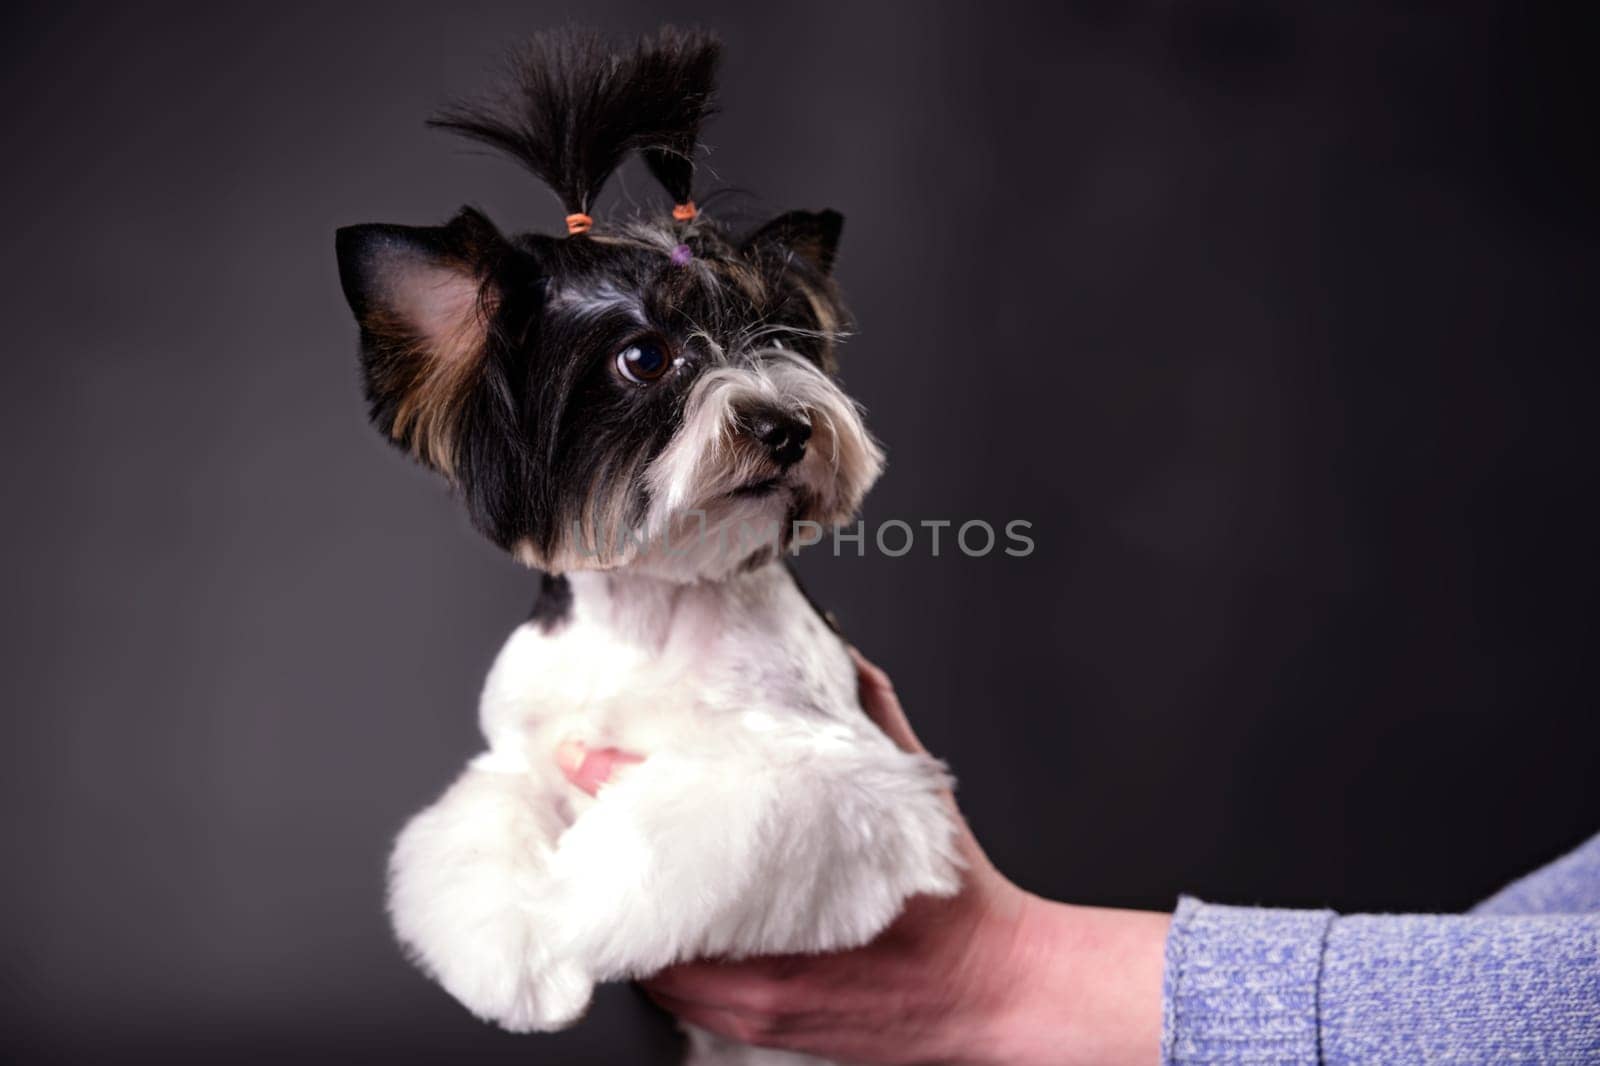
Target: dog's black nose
<point>784,434</point>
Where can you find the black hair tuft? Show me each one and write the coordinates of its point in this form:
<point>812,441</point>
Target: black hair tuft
<point>576,107</point>
<point>689,75</point>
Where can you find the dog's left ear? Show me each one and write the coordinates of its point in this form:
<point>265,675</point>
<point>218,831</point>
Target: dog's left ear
<point>426,299</point>
<point>811,235</point>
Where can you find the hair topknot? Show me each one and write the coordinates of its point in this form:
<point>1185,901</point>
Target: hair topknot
<point>575,106</point>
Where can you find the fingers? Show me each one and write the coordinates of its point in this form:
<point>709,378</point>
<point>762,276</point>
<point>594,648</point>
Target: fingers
<point>589,768</point>
<point>878,699</point>
<point>745,985</point>
<point>728,1024</point>
<point>753,1001</point>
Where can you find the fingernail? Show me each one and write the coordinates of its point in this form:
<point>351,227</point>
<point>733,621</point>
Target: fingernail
<point>569,755</point>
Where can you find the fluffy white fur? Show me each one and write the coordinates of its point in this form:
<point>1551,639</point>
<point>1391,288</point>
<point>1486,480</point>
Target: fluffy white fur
<point>769,815</point>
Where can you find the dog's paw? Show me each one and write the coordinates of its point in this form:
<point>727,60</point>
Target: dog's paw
<point>464,879</point>
<point>502,987</point>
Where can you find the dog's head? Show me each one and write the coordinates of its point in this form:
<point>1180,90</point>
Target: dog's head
<point>655,392</point>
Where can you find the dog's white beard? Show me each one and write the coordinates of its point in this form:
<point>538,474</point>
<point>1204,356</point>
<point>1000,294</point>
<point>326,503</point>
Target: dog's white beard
<point>693,483</point>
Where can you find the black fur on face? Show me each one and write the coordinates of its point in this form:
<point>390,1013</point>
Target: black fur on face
<point>608,381</point>
<point>496,361</point>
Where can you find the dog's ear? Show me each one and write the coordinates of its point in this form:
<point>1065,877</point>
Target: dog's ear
<point>426,300</point>
<point>811,235</point>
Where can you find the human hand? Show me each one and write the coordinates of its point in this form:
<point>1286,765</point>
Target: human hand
<point>589,768</point>
<point>991,975</point>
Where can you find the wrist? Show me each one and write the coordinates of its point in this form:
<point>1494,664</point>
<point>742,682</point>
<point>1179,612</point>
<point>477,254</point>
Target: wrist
<point>1083,985</point>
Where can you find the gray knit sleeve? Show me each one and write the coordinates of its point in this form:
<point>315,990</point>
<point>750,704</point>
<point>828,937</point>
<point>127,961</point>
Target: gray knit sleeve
<point>1252,985</point>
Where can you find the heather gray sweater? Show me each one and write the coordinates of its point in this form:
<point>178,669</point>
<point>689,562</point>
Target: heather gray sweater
<point>1516,980</point>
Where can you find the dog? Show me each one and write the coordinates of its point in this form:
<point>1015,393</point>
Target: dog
<point>619,407</point>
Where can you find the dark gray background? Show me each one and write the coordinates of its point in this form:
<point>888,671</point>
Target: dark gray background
<point>1276,320</point>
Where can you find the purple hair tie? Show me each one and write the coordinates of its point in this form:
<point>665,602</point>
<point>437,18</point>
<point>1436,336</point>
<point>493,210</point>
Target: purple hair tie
<point>681,255</point>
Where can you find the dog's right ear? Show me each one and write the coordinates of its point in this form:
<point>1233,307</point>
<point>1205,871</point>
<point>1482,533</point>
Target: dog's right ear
<point>426,300</point>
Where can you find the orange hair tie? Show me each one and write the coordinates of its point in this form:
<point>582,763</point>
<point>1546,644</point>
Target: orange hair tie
<point>685,211</point>
<point>578,223</point>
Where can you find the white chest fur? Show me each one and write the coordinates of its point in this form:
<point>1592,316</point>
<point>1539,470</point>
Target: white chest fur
<point>768,815</point>
<point>656,666</point>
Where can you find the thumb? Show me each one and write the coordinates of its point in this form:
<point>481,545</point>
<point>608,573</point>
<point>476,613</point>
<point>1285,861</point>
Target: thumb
<point>882,705</point>
<point>589,768</point>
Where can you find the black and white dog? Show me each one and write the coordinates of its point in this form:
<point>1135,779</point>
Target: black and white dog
<point>620,408</point>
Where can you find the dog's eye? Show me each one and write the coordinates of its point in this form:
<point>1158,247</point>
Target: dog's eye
<point>643,361</point>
